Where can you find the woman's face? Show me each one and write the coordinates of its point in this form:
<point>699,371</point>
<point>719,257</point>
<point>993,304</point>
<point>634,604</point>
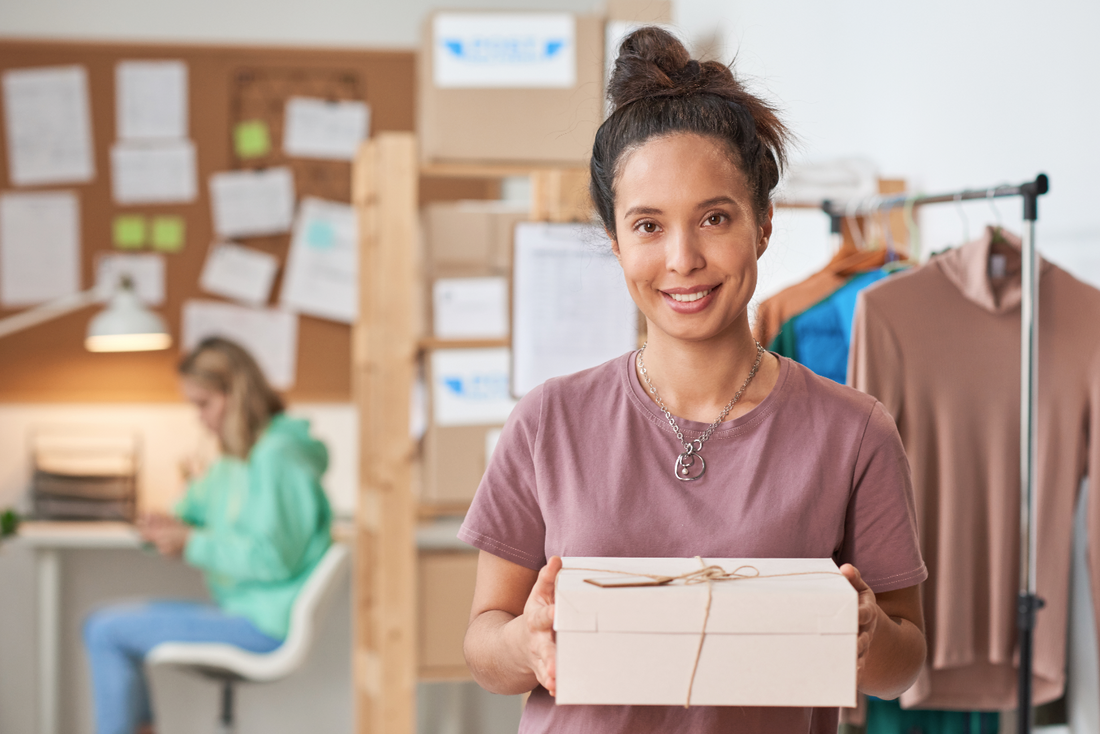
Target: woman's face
<point>211,404</point>
<point>688,240</point>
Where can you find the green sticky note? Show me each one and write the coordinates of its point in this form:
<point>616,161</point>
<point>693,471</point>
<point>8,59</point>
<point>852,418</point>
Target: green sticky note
<point>168,233</point>
<point>251,139</point>
<point>129,231</point>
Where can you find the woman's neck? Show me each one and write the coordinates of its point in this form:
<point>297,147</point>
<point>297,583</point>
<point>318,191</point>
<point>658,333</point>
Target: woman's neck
<point>696,379</point>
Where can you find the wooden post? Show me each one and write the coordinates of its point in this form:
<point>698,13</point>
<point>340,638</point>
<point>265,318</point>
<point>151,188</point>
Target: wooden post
<point>560,195</point>
<point>384,357</point>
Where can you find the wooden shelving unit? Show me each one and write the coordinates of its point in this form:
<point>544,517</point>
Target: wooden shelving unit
<point>387,345</point>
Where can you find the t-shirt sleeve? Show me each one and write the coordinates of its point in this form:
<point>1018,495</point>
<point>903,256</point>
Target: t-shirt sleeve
<point>505,518</point>
<point>880,529</point>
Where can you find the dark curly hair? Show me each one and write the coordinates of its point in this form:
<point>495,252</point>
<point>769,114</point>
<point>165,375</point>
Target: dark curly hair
<point>657,89</point>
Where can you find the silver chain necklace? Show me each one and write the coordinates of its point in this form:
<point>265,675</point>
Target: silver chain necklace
<point>686,460</point>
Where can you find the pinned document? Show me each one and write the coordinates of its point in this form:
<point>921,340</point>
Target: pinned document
<point>470,387</point>
<point>322,268</point>
<point>270,335</point>
<point>151,100</point>
<point>241,273</point>
<point>251,139</point>
<point>521,50</point>
<point>252,203</point>
<point>154,173</point>
<point>145,271</point>
<point>470,308</point>
<point>318,128</point>
<point>129,231</point>
<point>49,126</point>
<point>168,233</point>
<point>39,247</point>
<point>570,306</point>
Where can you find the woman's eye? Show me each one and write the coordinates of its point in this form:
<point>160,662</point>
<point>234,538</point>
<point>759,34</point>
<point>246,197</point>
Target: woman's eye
<point>648,227</point>
<point>715,219</point>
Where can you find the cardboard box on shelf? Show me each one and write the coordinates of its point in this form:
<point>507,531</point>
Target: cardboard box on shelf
<point>455,458</point>
<point>445,595</point>
<point>510,87</point>
<point>787,638</point>
<point>470,238</point>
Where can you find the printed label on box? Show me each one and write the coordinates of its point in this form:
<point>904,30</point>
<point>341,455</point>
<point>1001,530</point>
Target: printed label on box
<point>504,50</point>
<point>470,386</point>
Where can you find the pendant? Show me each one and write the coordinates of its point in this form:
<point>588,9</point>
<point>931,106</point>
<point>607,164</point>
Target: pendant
<point>684,464</point>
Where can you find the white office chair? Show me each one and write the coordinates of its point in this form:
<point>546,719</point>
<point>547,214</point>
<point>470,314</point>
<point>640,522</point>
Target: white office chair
<point>229,664</point>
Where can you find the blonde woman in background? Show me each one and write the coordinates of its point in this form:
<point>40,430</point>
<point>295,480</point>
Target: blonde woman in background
<point>256,523</point>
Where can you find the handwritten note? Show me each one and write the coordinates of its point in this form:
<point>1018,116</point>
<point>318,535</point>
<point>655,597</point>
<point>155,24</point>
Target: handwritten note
<point>322,268</point>
<point>252,203</point>
<point>318,128</point>
<point>146,272</point>
<point>241,273</point>
<point>154,173</point>
<point>151,100</point>
<point>39,247</point>
<point>49,126</point>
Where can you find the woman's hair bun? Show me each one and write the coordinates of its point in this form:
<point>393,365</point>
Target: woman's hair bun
<point>654,63</point>
<point>657,89</point>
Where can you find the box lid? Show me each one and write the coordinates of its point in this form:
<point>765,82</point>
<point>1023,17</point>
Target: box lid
<point>819,601</point>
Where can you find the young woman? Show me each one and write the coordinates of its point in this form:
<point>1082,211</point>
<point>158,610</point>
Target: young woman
<point>256,524</point>
<point>774,461</point>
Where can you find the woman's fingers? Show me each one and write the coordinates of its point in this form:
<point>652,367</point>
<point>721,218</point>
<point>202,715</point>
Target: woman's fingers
<point>539,616</point>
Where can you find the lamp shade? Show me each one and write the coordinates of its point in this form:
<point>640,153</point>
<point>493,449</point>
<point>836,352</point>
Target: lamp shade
<point>126,326</point>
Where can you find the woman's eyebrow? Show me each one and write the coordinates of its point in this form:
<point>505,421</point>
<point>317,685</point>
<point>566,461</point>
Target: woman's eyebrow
<point>641,210</point>
<point>716,200</point>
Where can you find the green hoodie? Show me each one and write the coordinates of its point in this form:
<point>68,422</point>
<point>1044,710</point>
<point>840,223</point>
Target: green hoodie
<point>261,525</point>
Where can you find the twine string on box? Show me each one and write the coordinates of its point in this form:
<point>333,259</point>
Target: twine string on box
<point>705,575</point>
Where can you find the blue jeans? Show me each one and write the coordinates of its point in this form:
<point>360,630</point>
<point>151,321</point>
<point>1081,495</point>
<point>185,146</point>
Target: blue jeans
<point>119,637</point>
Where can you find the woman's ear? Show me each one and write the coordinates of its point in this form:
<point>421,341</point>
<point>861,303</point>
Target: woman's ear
<point>614,244</point>
<point>765,232</point>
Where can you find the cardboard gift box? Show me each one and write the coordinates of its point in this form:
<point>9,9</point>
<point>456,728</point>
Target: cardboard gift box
<point>773,632</point>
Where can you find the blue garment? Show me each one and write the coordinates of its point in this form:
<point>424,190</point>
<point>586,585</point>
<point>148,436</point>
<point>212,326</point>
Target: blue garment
<point>823,332</point>
<point>119,637</point>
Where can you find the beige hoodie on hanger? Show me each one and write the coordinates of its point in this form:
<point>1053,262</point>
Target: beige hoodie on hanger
<point>940,347</point>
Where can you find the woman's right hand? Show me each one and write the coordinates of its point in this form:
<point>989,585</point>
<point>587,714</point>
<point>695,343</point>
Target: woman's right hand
<point>538,616</point>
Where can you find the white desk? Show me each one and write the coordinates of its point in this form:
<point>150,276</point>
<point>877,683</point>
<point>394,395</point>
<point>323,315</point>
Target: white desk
<point>48,539</point>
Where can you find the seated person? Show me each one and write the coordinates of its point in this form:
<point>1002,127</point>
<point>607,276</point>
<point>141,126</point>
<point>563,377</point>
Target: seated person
<point>256,524</point>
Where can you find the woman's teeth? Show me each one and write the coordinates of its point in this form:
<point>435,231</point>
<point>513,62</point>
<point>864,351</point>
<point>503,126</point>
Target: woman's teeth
<point>689,297</point>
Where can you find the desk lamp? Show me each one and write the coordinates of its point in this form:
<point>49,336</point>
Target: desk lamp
<point>126,325</point>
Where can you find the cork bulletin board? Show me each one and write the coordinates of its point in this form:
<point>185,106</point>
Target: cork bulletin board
<point>48,363</point>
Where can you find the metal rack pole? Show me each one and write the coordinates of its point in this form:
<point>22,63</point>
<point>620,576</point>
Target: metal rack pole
<point>1028,602</point>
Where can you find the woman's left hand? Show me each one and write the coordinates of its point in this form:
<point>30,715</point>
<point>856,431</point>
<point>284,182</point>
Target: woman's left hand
<point>168,534</point>
<point>868,616</point>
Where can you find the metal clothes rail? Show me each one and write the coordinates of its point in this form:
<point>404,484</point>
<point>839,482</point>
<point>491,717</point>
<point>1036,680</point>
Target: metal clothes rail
<point>1028,602</point>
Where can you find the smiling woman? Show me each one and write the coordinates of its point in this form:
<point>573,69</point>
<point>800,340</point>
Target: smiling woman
<point>701,443</point>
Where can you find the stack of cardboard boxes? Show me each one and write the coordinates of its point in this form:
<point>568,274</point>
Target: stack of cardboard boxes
<point>504,90</point>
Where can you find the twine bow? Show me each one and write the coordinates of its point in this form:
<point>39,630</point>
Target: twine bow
<point>704,575</point>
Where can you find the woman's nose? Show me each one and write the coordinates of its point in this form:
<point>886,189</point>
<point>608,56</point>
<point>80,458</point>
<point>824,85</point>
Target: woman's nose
<point>683,254</point>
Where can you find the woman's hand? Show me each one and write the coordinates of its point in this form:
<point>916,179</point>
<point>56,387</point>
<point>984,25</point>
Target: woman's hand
<point>868,617</point>
<point>538,618</point>
<point>168,534</point>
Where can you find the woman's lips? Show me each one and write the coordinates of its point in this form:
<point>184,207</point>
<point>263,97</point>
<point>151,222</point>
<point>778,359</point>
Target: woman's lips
<point>689,300</point>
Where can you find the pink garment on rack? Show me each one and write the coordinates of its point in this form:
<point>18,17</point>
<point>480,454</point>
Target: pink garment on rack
<point>940,347</point>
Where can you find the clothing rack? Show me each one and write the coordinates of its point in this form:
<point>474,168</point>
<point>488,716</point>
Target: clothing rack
<point>1028,602</point>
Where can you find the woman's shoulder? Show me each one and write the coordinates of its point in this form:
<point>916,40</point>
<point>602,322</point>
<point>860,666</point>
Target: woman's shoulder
<point>819,394</point>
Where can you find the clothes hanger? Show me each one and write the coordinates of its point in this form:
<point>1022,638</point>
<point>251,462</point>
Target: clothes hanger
<point>914,230</point>
<point>962,216</point>
<point>861,260</point>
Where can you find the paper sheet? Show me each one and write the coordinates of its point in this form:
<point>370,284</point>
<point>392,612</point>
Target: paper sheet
<point>241,273</point>
<point>322,268</point>
<point>317,128</point>
<point>470,386</point>
<point>270,335</point>
<point>146,272</point>
<point>570,306</point>
<point>39,247</point>
<point>153,173</point>
<point>49,126</point>
<point>470,308</point>
<point>519,50</point>
<point>252,203</point>
<point>151,100</point>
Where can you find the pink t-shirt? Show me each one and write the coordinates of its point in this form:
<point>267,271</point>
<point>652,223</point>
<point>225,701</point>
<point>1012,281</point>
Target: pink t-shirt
<point>584,467</point>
